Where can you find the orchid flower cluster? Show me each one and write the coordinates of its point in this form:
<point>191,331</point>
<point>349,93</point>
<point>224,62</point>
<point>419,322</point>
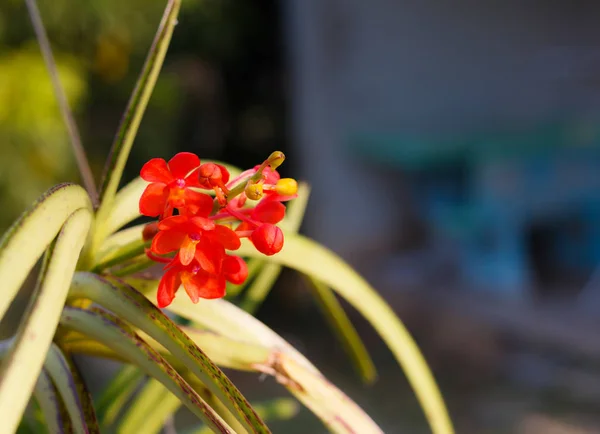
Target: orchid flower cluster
<point>194,243</point>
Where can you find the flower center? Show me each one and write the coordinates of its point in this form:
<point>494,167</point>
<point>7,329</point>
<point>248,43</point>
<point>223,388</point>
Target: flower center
<point>180,182</point>
<point>194,236</point>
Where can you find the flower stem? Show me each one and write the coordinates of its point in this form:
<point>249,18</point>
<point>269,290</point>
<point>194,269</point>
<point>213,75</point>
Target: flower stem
<point>82,161</point>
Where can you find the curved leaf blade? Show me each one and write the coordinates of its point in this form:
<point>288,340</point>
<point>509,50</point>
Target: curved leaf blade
<point>116,335</point>
<point>344,330</point>
<point>25,358</point>
<point>151,407</point>
<point>277,409</point>
<point>24,243</point>
<point>311,258</point>
<point>129,303</point>
<point>285,363</point>
<point>117,392</point>
<point>75,395</point>
<point>46,396</point>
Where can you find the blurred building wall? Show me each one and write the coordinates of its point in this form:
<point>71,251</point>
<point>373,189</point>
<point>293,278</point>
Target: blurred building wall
<point>422,68</point>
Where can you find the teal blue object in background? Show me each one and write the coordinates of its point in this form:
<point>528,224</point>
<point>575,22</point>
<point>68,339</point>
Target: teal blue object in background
<point>486,191</point>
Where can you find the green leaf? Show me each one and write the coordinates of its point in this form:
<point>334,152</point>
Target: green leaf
<point>46,396</point>
<point>344,330</point>
<point>311,258</point>
<point>276,409</point>
<point>139,311</point>
<point>337,411</point>
<point>23,244</point>
<point>75,395</point>
<point>115,334</point>
<point>223,351</point>
<point>25,358</point>
<point>132,118</point>
<point>49,402</point>
<point>150,409</point>
<point>61,98</point>
<point>113,398</point>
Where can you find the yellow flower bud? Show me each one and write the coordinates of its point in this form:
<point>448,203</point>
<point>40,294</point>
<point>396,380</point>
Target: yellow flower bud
<point>275,159</point>
<point>253,191</point>
<point>286,187</point>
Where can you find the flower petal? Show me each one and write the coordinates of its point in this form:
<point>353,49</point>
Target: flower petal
<point>167,241</point>
<point>226,237</point>
<point>269,212</point>
<point>214,287</point>
<point>183,163</point>
<point>210,255</point>
<point>153,200</point>
<point>269,175</point>
<point>167,287</point>
<point>202,224</point>
<point>187,251</point>
<point>192,180</point>
<point>235,269</point>
<point>204,285</point>
<point>173,222</point>
<point>193,284</point>
<point>196,203</point>
<point>156,170</point>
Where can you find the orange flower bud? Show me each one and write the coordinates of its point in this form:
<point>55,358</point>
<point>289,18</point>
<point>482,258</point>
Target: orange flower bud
<point>268,239</point>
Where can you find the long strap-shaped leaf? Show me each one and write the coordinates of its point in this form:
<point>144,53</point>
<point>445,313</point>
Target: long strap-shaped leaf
<point>49,402</point>
<point>133,116</point>
<point>115,334</point>
<point>129,303</point>
<point>224,351</point>
<point>23,244</point>
<point>24,360</point>
<point>337,411</point>
<point>75,395</point>
<point>112,400</point>
<point>149,410</point>
<point>311,258</point>
<point>46,396</point>
<point>343,328</point>
<point>277,409</point>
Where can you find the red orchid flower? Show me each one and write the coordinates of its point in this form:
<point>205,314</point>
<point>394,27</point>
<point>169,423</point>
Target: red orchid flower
<point>195,237</point>
<point>169,186</point>
<point>197,282</point>
<point>201,263</point>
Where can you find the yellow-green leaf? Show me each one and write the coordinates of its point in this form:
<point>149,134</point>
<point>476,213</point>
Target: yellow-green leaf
<point>25,358</point>
<point>115,334</point>
<point>311,258</point>
<point>24,243</point>
<point>139,311</point>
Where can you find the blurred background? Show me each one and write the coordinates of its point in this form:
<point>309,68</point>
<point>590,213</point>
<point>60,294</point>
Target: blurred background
<point>453,152</point>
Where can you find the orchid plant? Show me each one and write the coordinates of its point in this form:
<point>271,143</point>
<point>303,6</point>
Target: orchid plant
<point>224,235</point>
